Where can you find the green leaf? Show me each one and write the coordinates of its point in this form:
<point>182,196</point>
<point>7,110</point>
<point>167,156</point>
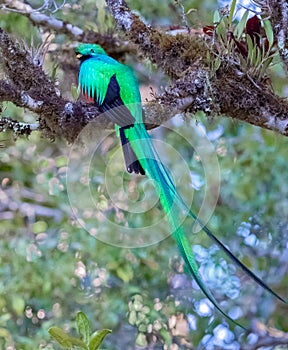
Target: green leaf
<point>216,17</point>
<point>125,273</point>
<point>259,56</point>
<point>75,91</point>
<point>239,29</point>
<point>232,11</point>
<point>64,340</point>
<point>251,49</point>
<point>54,71</point>
<point>166,336</point>
<point>268,32</point>
<point>83,327</point>
<point>60,336</point>
<point>101,13</point>
<point>97,338</point>
<point>221,30</point>
<point>77,342</point>
<point>217,63</point>
<point>265,65</point>
<point>4,334</point>
<point>39,226</point>
<point>18,304</point>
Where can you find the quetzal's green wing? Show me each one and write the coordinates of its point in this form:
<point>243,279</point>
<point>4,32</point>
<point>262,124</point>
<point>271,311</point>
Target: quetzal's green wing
<point>115,107</point>
<point>97,80</point>
<point>121,114</point>
<point>94,78</point>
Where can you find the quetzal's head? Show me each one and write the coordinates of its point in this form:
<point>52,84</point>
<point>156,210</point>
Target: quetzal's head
<point>84,51</point>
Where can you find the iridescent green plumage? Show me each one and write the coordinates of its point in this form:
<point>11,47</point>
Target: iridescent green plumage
<point>115,89</point>
<point>96,73</point>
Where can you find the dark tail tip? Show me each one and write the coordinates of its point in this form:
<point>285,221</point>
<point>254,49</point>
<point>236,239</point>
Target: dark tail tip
<point>132,163</point>
<point>136,168</point>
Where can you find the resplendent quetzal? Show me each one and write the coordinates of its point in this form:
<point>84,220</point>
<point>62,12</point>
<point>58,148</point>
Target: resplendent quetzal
<point>115,89</point>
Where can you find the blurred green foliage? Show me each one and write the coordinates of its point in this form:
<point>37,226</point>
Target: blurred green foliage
<point>51,267</point>
<point>169,12</point>
<point>23,29</point>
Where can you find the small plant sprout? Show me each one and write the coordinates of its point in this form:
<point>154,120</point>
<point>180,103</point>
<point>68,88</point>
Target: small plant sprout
<point>85,341</point>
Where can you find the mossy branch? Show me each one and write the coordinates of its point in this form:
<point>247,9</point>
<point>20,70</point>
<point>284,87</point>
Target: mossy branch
<point>27,86</point>
<point>227,91</point>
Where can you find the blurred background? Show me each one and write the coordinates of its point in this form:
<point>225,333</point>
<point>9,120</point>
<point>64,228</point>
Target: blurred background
<point>52,266</point>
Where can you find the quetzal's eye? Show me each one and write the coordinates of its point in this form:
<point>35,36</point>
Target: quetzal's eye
<point>92,51</point>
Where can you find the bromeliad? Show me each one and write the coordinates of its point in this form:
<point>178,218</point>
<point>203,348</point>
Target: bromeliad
<point>115,89</point>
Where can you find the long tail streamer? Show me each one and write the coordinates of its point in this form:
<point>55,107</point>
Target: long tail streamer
<point>173,204</point>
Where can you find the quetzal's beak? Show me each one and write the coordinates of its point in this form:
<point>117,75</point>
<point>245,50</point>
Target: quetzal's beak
<point>79,55</point>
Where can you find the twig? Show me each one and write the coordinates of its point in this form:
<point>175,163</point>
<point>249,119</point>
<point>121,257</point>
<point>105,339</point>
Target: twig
<point>17,127</point>
<point>267,337</point>
<point>41,19</point>
<point>38,208</point>
<point>112,44</point>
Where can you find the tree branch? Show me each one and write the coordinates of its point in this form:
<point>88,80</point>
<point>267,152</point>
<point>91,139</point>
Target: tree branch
<point>112,44</point>
<point>17,127</point>
<point>41,19</point>
<point>267,337</point>
<point>27,86</point>
<point>229,91</point>
<point>174,54</point>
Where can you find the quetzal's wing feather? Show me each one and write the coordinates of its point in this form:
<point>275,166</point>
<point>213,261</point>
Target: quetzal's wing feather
<point>121,115</point>
<point>97,80</point>
<point>113,103</point>
<point>123,98</point>
<point>94,77</point>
